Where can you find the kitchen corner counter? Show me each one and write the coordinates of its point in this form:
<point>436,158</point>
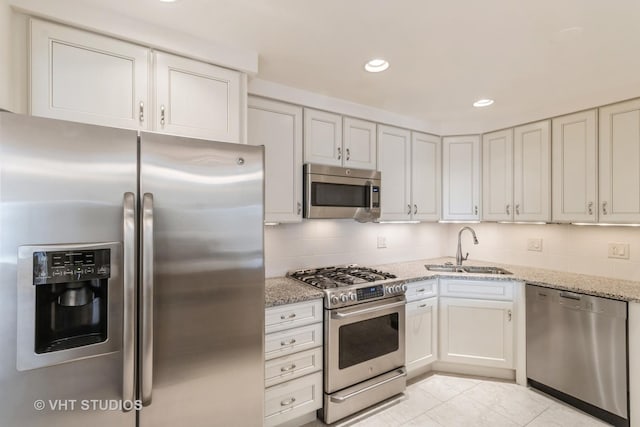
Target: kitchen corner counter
<point>619,289</point>
<point>282,290</point>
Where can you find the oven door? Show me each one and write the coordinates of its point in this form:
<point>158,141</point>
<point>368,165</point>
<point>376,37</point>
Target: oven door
<point>363,341</point>
<point>328,196</point>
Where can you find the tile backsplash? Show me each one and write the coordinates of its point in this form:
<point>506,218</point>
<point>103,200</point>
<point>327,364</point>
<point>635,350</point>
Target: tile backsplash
<point>579,249</point>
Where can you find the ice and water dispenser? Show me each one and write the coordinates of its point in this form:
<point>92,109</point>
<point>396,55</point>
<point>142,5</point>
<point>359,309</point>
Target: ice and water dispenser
<point>69,303</point>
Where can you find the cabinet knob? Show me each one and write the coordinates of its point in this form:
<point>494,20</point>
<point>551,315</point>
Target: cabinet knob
<point>348,154</point>
<point>162,115</point>
<point>475,210</point>
<point>299,208</point>
<point>604,208</point>
<point>141,116</point>
<point>590,208</point>
<point>339,153</point>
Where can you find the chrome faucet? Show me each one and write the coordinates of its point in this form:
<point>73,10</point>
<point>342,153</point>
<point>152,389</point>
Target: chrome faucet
<point>459,257</point>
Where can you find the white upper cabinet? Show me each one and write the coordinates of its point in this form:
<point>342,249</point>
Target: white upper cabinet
<point>394,159</point>
<point>81,76</point>
<point>532,172</point>
<point>497,176</point>
<point>461,177</point>
<point>322,137</point>
<point>574,168</point>
<point>196,99</point>
<point>359,144</point>
<point>620,163</point>
<point>84,77</point>
<point>425,176</point>
<point>278,126</point>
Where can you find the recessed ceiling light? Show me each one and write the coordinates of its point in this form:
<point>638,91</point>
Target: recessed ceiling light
<point>376,65</point>
<point>168,1</point>
<point>483,102</point>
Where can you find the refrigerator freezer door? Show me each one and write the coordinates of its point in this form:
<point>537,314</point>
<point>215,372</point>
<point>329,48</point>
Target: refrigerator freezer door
<point>208,285</point>
<point>60,183</point>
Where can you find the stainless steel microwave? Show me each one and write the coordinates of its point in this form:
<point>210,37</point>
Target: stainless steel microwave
<point>336,192</point>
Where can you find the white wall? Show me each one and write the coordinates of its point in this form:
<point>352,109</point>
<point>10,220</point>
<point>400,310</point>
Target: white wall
<point>577,249</point>
<point>318,243</point>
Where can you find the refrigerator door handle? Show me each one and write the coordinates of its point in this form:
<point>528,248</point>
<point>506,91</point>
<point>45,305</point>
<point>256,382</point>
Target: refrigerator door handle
<point>129,297</point>
<point>146,379</point>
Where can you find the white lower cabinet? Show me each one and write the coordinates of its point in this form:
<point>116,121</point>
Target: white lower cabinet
<point>421,333</point>
<point>294,357</point>
<point>477,332</point>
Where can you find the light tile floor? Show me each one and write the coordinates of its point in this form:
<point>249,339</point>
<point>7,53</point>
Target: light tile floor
<point>440,400</point>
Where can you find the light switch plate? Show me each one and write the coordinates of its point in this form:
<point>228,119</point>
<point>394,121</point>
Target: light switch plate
<point>382,242</point>
<point>619,250</point>
<point>534,245</point>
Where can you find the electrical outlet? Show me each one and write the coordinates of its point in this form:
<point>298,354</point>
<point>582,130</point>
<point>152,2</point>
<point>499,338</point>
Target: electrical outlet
<point>619,250</point>
<point>382,242</point>
<point>534,245</point>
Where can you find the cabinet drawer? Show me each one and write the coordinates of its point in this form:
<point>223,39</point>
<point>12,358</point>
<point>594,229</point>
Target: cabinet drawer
<point>293,315</point>
<point>479,289</point>
<point>421,290</point>
<point>292,340</point>
<point>289,367</point>
<point>292,399</point>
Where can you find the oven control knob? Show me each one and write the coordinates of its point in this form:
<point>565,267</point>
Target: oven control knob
<point>404,288</point>
<point>389,289</point>
<point>344,298</point>
<point>397,288</point>
<point>353,297</point>
<point>334,300</point>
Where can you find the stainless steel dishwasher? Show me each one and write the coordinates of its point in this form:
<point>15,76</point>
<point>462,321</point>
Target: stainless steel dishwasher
<point>577,351</point>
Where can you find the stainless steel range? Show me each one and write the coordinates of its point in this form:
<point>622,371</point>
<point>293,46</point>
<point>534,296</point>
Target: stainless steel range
<point>364,330</point>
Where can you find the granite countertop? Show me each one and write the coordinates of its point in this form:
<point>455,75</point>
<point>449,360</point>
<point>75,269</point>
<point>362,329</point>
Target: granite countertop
<point>625,290</point>
<point>282,290</point>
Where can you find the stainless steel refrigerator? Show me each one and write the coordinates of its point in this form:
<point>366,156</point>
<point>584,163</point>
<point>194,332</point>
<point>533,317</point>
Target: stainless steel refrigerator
<point>131,277</point>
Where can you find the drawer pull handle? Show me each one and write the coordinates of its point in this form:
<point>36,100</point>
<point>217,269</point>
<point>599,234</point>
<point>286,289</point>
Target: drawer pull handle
<point>421,290</point>
<point>288,368</point>
<point>422,305</point>
<point>290,342</point>
<point>510,314</point>
<point>288,401</point>
<point>291,316</point>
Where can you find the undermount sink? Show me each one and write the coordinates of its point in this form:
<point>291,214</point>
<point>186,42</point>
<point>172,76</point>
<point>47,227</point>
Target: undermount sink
<point>466,269</point>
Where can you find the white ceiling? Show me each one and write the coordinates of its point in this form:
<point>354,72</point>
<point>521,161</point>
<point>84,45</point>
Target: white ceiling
<point>536,58</point>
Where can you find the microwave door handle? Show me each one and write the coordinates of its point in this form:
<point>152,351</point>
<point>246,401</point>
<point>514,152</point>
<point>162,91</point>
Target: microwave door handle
<point>370,184</point>
<point>129,298</point>
<point>146,374</point>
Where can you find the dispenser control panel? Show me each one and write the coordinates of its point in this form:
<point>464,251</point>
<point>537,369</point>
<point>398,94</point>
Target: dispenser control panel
<point>71,266</point>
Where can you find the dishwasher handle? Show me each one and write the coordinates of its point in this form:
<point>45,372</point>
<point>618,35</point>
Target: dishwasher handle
<point>570,295</point>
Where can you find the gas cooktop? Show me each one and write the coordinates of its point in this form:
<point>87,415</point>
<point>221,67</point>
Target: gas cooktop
<point>339,276</point>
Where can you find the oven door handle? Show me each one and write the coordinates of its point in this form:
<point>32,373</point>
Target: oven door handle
<point>340,399</point>
<point>339,315</point>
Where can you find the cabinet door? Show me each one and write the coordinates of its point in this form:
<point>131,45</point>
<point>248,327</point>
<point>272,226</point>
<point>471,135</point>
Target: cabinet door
<point>574,168</point>
<point>83,77</point>
<point>359,144</point>
<point>620,162</point>
<point>394,151</point>
<point>421,333</point>
<point>497,176</point>
<point>477,332</point>
<point>461,178</point>
<point>425,176</point>
<point>278,127</point>
<point>322,137</point>
<point>532,172</point>
<point>196,99</point>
